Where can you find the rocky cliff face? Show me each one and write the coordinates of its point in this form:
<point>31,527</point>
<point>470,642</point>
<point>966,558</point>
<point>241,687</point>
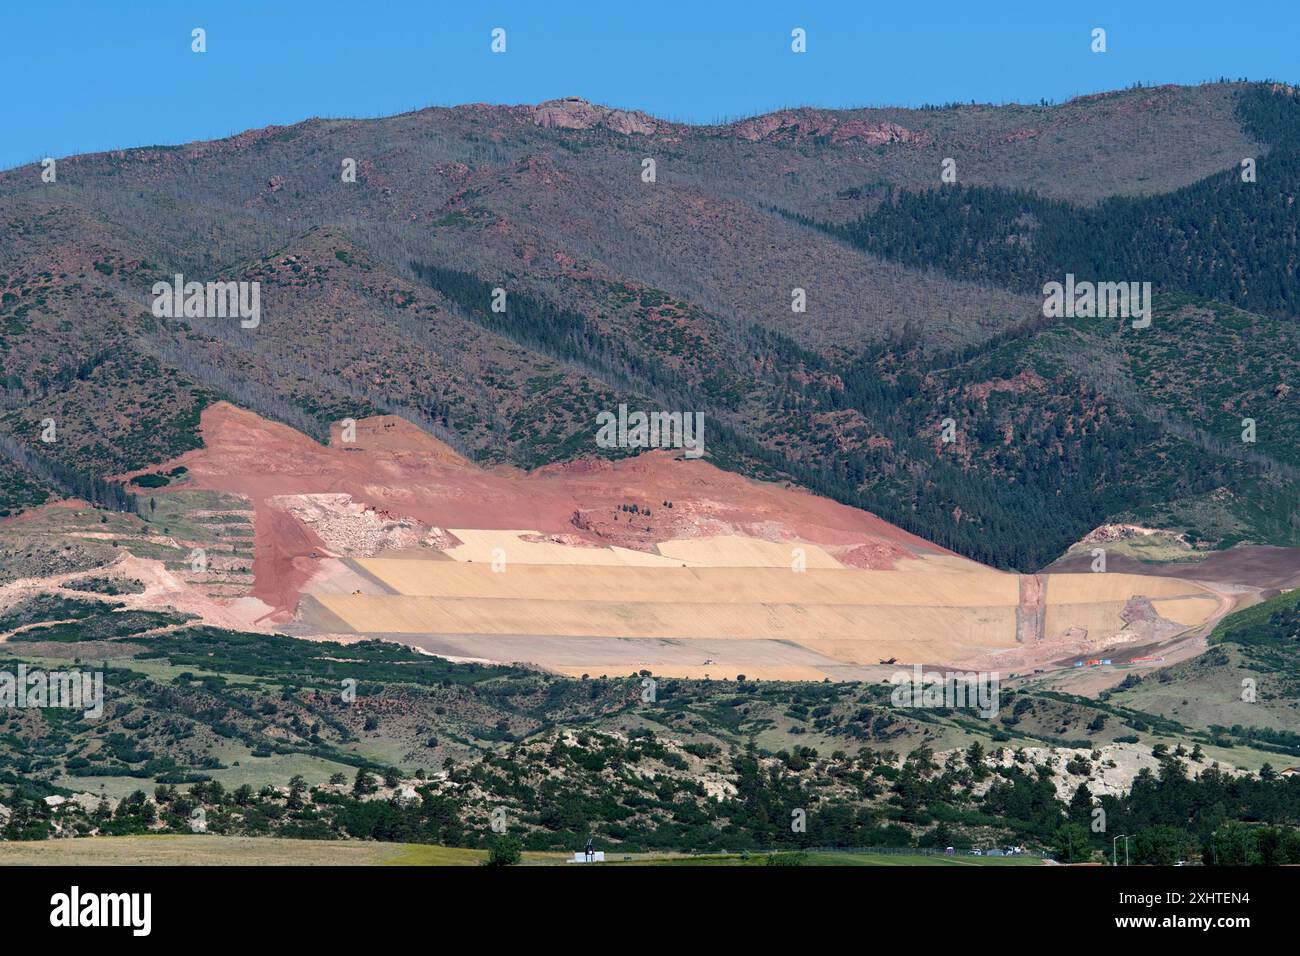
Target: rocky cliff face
<point>803,124</point>
<point>573,112</point>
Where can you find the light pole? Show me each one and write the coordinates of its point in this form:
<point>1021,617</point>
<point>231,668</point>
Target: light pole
<point>1115,850</point>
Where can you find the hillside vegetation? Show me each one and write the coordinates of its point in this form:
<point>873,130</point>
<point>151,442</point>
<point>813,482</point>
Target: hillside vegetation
<point>923,300</point>
<point>270,735</point>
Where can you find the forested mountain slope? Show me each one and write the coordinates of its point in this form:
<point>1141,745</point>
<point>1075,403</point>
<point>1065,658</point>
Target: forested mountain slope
<point>923,300</point>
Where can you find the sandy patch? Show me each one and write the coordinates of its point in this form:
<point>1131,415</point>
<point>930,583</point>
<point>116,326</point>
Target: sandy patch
<point>734,551</point>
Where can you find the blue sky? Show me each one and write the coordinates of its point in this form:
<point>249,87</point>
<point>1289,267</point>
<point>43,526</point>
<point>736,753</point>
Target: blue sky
<point>103,74</point>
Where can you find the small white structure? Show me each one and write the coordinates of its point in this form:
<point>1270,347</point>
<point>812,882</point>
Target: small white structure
<point>595,856</point>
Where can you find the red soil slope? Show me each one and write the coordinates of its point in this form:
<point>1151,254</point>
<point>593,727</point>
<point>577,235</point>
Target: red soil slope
<point>394,467</point>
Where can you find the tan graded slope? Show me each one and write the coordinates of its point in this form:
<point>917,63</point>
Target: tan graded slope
<point>651,562</point>
<point>733,551</point>
<point>849,633</point>
<point>555,614</point>
<point>532,548</point>
<point>693,585</point>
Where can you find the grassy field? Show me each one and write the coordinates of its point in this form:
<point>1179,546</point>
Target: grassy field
<point>200,850</point>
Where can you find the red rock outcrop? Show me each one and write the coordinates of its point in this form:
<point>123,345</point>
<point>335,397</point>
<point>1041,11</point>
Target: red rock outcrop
<point>573,112</point>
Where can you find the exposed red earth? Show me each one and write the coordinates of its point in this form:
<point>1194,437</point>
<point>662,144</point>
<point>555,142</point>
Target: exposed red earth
<point>361,537</point>
<point>397,469</point>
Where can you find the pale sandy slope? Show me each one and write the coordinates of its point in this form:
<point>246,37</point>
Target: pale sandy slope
<point>596,614</point>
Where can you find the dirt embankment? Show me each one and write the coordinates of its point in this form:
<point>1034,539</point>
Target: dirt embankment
<point>394,468</point>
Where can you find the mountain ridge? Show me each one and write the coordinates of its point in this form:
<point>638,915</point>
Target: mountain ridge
<point>675,294</point>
